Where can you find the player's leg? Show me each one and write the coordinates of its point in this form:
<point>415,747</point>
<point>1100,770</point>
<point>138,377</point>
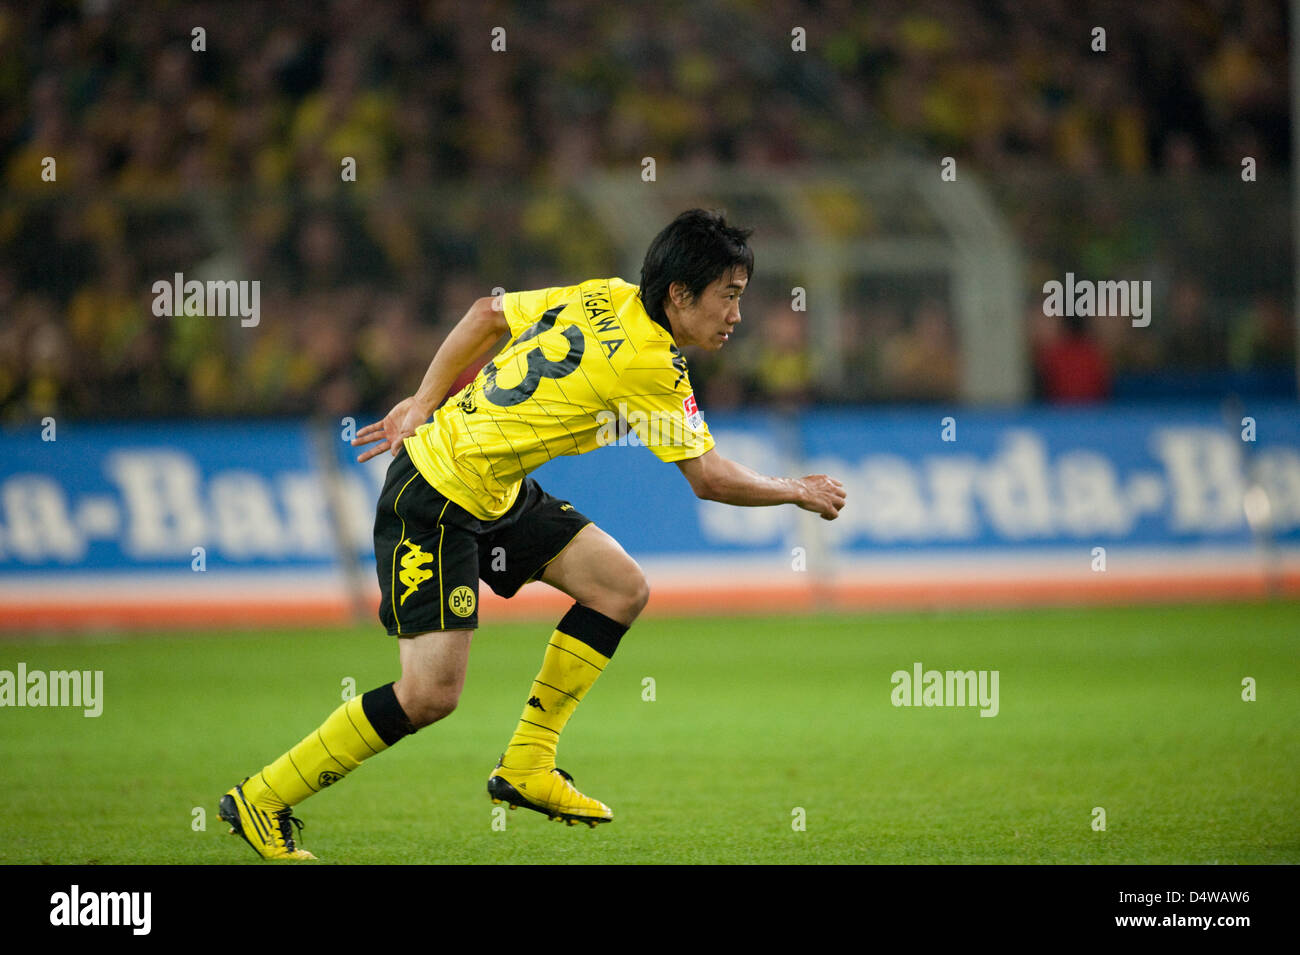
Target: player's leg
<point>610,590</point>
<point>428,574</point>
<point>433,673</point>
<point>362,727</point>
<point>597,572</point>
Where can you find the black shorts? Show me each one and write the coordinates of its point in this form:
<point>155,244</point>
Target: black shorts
<point>430,552</point>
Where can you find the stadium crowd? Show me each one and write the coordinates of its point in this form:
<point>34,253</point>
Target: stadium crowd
<point>170,157</point>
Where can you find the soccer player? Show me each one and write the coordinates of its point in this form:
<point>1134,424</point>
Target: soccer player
<point>580,363</point>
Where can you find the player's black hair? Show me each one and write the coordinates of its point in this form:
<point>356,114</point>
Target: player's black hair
<point>695,248</point>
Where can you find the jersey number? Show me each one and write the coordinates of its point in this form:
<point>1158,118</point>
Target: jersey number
<point>539,366</point>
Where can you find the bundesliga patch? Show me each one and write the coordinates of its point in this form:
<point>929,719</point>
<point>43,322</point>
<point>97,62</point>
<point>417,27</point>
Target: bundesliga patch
<point>694,420</point>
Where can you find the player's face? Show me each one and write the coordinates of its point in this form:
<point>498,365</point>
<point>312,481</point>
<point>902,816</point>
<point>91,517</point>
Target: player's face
<point>709,320</point>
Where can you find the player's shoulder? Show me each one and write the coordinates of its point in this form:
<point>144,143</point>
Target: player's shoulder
<point>651,360</point>
<point>552,295</point>
<point>592,296</point>
<point>615,295</point>
<point>652,341</point>
<point>613,311</point>
<point>611,308</point>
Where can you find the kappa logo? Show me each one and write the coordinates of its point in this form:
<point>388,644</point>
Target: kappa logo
<point>414,572</point>
<point>328,778</point>
<point>534,701</point>
<point>679,362</point>
<point>467,403</point>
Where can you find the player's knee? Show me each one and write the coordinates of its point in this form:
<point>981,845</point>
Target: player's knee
<point>430,707</point>
<point>624,601</point>
<point>630,598</point>
<point>639,595</point>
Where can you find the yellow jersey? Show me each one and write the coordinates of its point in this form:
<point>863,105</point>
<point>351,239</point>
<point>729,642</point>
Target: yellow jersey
<point>585,367</point>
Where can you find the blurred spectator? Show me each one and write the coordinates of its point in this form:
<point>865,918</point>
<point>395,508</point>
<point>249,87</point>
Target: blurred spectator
<point>783,365</point>
<point>1071,367</point>
<point>921,363</point>
<point>1194,340</point>
<point>1264,337</point>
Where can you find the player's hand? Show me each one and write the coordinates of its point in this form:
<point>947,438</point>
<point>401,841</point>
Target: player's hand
<point>822,495</point>
<point>397,426</point>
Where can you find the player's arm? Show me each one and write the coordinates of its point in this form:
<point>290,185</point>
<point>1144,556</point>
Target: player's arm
<point>715,478</point>
<point>473,335</point>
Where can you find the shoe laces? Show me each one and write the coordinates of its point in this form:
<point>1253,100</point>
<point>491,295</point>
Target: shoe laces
<point>283,818</point>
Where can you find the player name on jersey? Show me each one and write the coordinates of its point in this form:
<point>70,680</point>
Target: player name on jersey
<point>598,304</point>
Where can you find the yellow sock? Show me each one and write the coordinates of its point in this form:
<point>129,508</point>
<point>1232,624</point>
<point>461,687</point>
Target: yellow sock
<point>578,651</point>
<point>330,752</point>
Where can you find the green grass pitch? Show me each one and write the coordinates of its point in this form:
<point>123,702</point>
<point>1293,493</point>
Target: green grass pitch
<point>1138,711</point>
